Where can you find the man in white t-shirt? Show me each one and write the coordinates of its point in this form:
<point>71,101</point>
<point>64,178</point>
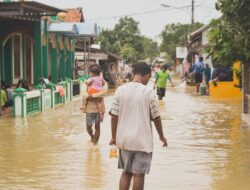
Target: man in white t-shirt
<point>134,107</point>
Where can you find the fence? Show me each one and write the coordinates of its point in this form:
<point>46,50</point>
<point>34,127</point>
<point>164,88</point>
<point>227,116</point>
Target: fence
<point>45,97</point>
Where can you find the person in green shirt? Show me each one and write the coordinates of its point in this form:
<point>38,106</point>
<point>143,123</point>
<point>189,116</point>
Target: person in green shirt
<point>161,81</point>
<point>3,98</point>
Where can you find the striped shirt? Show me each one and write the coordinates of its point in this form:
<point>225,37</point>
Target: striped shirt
<point>135,105</point>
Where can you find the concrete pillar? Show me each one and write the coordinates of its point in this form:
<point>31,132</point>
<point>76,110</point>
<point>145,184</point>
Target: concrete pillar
<point>19,100</point>
<point>246,78</point>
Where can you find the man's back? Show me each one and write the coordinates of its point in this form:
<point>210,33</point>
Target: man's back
<point>134,104</point>
<point>3,97</point>
<point>199,67</point>
<point>162,78</point>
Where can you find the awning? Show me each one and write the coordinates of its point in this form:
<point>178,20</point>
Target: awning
<point>87,29</point>
<point>76,30</point>
<point>65,28</point>
<point>27,10</point>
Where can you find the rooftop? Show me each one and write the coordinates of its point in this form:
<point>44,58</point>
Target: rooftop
<point>74,15</point>
<point>27,9</point>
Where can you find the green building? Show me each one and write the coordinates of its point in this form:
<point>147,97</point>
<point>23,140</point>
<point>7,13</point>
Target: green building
<point>29,50</point>
<point>35,45</point>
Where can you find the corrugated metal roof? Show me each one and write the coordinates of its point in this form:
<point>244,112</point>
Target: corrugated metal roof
<point>27,8</point>
<point>87,29</point>
<point>63,27</point>
<point>76,30</point>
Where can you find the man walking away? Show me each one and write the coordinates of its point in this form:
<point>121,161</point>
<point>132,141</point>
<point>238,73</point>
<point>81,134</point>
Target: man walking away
<point>161,81</point>
<point>135,106</point>
<point>207,73</point>
<point>198,70</point>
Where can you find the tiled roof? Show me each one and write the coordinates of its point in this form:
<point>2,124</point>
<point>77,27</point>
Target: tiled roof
<point>74,15</point>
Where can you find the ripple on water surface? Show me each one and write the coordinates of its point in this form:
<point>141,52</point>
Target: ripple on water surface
<point>208,148</point>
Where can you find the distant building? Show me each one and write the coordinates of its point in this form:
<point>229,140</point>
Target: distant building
<point>110,64</point>
<point>35,44</point>
<point>198,41</point>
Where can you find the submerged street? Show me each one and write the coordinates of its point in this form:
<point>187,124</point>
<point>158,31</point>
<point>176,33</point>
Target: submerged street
<point>209,148</point>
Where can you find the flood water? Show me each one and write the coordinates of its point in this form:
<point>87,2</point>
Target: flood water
<point>209,148</point>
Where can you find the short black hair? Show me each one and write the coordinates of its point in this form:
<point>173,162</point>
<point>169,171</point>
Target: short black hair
<point>201,59</point>
<point>141,68</point>
<point>95,69</point>
<point>165,66</point>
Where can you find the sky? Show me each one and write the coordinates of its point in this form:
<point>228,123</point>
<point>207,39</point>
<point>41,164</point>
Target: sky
<point>152,17</point>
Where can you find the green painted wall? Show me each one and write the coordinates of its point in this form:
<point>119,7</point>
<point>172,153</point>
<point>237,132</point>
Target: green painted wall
<point>1,52</point>
<point>45,61</point>
<point>24,58</point>
<point>62,64</point>
<point>72,58</point>
<point>38,69</point>
<point>45,53</point>
<point>1,62</point>
<point>7,62</point>
<point>68,65</point>
<point>54,65</point>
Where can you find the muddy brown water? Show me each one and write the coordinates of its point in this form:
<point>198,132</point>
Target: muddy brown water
<point>209,148</point>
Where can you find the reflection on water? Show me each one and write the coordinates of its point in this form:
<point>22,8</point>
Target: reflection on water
<point>209,148</point>
<point>93,167</point>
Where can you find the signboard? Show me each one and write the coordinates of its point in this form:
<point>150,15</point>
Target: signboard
<point>100,56</point>
<point>181,52</point>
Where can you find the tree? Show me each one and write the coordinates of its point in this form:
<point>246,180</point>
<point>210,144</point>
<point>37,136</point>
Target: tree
<point>222,48</point>
<point>233,36</point>
<point>125,39</point>
<point>150,49</point>
<point>175,35</point>
<point>236,18</point>
<point>229,36</point>
<point>128,53</point>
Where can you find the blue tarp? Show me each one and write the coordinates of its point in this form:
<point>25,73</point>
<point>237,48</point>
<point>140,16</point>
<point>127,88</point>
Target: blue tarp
<point>76,30</point>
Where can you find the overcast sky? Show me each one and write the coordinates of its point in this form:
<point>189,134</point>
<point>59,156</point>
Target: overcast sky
<point>149,13</point>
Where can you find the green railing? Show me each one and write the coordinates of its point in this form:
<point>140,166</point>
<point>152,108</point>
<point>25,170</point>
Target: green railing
<point>85,77</point>
<point>76,87</point>
<point>33,105</point>
<point>58,98</point>
<point>26,103</point>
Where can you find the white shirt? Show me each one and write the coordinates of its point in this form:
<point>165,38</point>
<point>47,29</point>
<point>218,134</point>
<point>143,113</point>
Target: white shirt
<point>134,104</point>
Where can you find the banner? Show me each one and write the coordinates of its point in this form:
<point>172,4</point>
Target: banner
<point>181,52</point>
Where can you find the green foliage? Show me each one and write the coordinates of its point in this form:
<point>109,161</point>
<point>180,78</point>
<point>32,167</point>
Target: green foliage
<point>128,53</point>
<point>231,41</point>
<point>125,40</point>
<point>175,35</point>
<point>223,48</point>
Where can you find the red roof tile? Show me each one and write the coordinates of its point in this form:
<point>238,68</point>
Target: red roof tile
<point>74,15</point>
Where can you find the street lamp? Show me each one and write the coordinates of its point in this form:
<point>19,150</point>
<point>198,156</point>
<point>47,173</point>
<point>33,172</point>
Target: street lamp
<point>186,11</point>
<point>182,9</point>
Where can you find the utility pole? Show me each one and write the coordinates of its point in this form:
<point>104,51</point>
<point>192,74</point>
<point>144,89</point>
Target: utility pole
<point>192,21</point>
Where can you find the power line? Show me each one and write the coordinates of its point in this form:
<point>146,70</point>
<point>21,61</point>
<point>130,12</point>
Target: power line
<point>184,7</point>
<point>132,14</point>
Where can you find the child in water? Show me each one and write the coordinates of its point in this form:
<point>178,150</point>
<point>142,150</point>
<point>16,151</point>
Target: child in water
<point>94,85</point>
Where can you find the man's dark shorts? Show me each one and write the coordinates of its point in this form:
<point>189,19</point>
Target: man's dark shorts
<point>198,78</point>
<point>92,118</point>
<point>161,91</point>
